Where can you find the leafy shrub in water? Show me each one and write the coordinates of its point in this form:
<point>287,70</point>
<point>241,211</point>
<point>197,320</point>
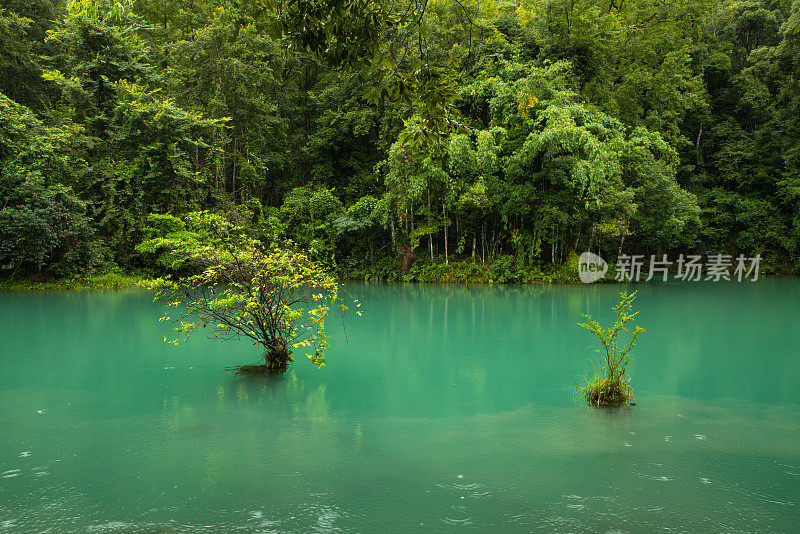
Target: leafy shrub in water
<point>610,387</point>
<point>277,298</point>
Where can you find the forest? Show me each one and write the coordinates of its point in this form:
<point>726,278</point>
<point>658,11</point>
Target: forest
<point>418,140</point>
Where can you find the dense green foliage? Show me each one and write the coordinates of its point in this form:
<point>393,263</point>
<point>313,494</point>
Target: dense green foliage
<point>610,386</point>
<point>446,140</point>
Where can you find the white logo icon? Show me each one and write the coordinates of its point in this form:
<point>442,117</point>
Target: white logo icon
<point>591,267</point>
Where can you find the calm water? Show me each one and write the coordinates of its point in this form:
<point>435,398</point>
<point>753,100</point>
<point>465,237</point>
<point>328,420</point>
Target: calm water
<point>446,409</point>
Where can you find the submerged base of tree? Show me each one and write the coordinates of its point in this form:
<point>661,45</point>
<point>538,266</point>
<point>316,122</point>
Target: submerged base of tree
<point>275,361</point>
<point>607,392</point>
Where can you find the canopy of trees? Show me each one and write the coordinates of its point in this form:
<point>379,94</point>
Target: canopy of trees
<point>379,133</point>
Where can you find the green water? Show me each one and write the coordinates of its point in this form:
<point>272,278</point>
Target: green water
<point>445,409</point>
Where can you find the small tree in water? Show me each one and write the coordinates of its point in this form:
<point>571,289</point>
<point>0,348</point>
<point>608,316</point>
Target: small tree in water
<point>611,387</point>
<point>278,298</point>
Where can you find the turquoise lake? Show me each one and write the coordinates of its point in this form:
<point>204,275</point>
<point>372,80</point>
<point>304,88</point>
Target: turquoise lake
<point>441,409</point>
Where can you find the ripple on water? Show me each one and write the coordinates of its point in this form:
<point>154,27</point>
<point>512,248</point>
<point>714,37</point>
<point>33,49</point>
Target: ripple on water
<point>561,523</point>
<point>654,471</point>
<point>111,526</point>
<point>475,490</point>
<point>791,470</point>
<point>326,516</point>
<point>568,515</point>
<point>453,521</point>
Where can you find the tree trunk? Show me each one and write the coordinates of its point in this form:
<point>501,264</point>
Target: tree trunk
<point>483,242</point>
<point>233,170</point>
<point>391,227</point>
<point>474,242</point>
<point>408,257</point>
<point>446,261</point>
<point>430,216</point>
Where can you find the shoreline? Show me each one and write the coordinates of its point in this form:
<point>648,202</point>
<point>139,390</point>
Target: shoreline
<point>117,281</point>
<point>99,281</point>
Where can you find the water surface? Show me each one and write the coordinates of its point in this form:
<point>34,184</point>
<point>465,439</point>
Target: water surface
<point>442,409</point>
